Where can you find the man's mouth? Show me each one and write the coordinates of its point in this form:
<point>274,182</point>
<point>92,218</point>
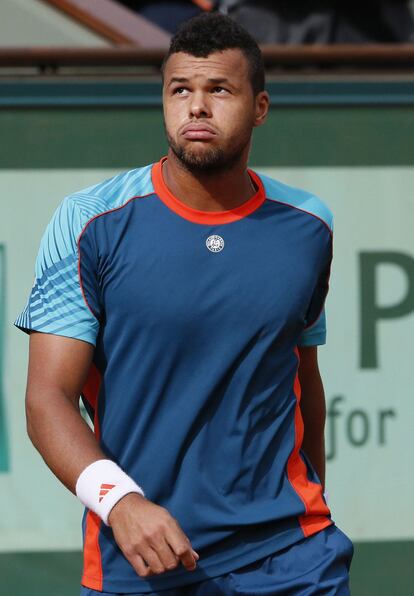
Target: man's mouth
<point>198,132</point>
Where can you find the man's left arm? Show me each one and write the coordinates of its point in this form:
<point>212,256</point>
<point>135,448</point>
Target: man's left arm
<point>312,405</point>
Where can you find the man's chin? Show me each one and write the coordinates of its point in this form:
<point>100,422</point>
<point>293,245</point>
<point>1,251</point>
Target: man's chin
<point>201,159</point>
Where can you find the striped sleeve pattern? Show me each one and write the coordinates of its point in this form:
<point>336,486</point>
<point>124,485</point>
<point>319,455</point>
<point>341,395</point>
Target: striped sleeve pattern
<point>56,304</point>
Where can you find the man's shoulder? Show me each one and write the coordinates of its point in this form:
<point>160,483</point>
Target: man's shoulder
<point>297,198</point>
<point>111,193</point>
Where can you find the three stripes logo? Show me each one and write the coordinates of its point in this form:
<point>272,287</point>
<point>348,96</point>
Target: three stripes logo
<point>105,488</point>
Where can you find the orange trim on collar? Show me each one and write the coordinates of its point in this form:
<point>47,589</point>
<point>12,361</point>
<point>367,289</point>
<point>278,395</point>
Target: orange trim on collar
<point>206,217</point>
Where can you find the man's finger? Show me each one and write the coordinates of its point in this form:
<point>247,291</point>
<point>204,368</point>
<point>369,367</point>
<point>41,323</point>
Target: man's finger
<point>140,566</point>
<point>152,559</point>
<point>167,556</point>
<point>181,546</point>
<point>188,559</point>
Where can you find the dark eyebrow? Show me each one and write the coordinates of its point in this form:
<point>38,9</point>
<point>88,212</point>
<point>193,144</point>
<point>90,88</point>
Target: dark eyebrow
<point>178,80</point>
<point>215,81</point>
<point>219,80</point>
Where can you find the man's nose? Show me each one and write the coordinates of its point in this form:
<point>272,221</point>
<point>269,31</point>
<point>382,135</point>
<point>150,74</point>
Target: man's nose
<point>199,105</point>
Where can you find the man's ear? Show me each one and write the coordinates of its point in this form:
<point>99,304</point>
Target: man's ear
<point>262,102</point>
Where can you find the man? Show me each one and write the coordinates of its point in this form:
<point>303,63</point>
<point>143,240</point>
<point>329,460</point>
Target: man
<point>183,300</point>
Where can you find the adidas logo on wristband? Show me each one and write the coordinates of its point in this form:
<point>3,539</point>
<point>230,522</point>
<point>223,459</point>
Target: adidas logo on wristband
<point>105,488</point>
<point>102,484</point>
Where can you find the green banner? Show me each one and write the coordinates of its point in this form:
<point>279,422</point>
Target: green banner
<point>4,454</point>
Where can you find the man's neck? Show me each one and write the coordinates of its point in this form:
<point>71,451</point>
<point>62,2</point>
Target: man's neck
<point>208,192</point>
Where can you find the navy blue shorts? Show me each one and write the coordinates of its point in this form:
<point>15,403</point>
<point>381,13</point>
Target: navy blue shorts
<point>318,565</point>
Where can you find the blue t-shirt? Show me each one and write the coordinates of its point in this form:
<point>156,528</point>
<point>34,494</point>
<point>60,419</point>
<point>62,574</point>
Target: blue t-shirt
<point>196,318</point>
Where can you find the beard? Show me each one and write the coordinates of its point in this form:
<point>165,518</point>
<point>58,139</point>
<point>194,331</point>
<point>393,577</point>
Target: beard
<point>209,161</point>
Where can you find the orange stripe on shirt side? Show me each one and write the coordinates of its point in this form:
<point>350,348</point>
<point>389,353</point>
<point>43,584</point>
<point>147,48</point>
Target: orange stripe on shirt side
<point>92,576</point>
<point>309,492</point>
<point>92,559</point>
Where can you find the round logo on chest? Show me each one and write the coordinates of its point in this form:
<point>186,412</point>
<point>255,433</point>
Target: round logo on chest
<point>215,243</point>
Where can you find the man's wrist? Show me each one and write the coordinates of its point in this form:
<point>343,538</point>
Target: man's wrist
<point>102,484</point>
<point>123,507</point>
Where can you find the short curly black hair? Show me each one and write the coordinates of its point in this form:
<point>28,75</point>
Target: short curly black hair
<point>215,32</point>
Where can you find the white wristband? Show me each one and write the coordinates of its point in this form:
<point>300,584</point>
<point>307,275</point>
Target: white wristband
<point>102,484</point>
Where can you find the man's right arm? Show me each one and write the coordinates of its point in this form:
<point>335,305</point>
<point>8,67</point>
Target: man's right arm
<point>58,369</point>
<point>150,538</point>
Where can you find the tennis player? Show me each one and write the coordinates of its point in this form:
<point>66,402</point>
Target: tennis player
<point>184,300</point>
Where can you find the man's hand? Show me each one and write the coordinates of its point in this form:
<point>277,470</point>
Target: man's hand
<point>149,537</point>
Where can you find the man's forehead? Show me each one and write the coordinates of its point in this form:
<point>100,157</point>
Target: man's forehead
<point>230,62</point>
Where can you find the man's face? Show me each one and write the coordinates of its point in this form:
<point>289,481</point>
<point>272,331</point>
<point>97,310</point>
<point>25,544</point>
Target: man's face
<point>210,109</point>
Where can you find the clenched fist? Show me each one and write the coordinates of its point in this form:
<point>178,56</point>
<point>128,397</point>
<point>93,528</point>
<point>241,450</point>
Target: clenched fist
<point>150,537</point>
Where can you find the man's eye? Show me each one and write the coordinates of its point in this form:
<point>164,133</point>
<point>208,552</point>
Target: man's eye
<point>179,90</point>
<point>219,89</point>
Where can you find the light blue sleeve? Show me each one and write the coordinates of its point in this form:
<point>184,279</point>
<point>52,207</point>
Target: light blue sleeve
<point>315,335</point>
<point>56,304</point>
<point>276,190</point>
